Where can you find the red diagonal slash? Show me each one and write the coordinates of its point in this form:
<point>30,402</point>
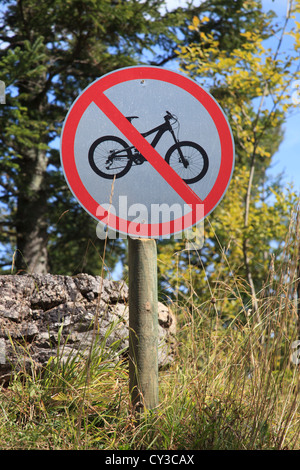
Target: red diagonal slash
<point>143,146</point>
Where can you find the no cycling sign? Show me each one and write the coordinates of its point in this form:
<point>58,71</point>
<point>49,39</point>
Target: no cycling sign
<point>147,151</point>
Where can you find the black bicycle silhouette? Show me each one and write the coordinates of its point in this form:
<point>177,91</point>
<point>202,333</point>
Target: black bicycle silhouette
<point>111,157</point>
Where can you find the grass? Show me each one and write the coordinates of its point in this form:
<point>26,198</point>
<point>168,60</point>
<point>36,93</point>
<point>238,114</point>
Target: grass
<point>225,390</point>
<point>232,385</point>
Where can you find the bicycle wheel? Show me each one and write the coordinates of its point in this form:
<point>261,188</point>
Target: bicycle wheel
<point>110,157</point>
<point>195,164</point>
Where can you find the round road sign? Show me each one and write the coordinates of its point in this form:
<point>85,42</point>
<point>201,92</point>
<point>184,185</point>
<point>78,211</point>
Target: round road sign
<point>147,151</point>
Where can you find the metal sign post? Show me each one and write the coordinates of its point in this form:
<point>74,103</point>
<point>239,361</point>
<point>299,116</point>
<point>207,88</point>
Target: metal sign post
<point>143,323</point>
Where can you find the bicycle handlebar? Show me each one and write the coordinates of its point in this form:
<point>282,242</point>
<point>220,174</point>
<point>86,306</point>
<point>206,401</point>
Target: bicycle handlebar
<point>169,116</point>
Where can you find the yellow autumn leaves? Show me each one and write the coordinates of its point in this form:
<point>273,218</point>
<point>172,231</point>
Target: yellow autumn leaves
<point>257,79</point>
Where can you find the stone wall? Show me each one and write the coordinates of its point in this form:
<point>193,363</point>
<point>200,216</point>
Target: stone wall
<point>39,311</point>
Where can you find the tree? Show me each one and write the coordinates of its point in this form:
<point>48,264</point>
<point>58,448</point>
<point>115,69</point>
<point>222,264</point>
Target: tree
<point>49,51</point>
<point>252,83</point>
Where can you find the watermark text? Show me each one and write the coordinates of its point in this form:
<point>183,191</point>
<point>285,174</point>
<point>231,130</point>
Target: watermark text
<point>161,221</point>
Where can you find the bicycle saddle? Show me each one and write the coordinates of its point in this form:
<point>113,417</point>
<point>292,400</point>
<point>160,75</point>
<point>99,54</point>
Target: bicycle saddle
<point>131,117</point>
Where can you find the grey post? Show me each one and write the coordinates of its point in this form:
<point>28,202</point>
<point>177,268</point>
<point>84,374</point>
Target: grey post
<point>143,323</point>
<point>2,92</point>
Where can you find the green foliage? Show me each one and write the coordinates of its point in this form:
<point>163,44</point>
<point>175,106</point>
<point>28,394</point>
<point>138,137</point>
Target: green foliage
<point>248,229</point>
<point>49,52</point>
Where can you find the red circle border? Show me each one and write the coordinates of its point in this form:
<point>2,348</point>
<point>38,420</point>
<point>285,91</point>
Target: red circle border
<point>137,73</point>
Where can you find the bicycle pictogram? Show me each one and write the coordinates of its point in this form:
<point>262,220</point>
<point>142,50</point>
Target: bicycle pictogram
<point>111,157</point>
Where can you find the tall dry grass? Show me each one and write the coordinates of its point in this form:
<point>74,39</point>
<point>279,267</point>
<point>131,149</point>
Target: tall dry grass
<point>233,385</point>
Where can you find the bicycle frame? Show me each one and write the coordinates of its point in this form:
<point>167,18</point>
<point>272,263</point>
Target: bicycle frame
<point>159,130</point>
<point>113,148</point>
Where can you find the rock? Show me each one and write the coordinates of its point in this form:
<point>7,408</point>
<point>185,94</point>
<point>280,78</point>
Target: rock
<point>39,312</point>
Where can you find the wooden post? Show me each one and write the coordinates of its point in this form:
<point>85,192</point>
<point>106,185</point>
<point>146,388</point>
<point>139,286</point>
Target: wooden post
<point>143,323</point>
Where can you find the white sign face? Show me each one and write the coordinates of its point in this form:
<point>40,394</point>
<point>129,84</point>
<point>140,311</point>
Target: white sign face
<point>147,151</point>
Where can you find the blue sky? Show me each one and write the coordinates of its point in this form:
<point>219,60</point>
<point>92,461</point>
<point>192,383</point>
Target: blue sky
<point>287,159</point>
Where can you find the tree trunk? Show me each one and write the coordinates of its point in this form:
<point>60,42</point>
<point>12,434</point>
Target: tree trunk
<point>245,241</point>
<point>31,223</point>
